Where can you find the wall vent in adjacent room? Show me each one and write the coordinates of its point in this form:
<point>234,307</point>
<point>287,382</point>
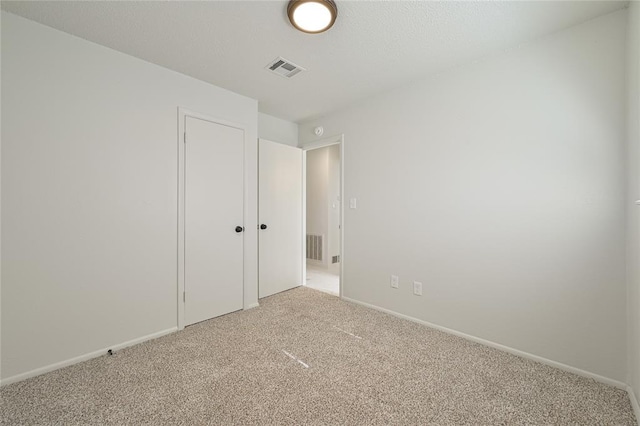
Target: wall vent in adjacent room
<point>284,67</point>
<point>314,247</point>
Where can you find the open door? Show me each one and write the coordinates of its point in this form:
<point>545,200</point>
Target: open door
<point>280,217</point>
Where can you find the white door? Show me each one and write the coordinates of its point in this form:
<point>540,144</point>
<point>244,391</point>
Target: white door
<point>280,204</point>
<point>214,193</point>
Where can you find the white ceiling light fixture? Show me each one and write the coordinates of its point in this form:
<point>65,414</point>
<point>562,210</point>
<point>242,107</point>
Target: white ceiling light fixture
<point>312,16</point>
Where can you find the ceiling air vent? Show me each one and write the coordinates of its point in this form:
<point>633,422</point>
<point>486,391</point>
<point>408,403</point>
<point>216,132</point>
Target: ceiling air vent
<point>284,68</point>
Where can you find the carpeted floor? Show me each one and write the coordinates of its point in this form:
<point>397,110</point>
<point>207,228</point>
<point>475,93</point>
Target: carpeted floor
<point>307,358</point>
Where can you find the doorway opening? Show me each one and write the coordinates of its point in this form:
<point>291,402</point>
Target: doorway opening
<point>323,215</point>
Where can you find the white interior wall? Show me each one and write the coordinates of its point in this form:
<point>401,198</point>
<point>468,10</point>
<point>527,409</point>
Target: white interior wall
<point>89,194</point>
<point>323,200</point>
<point>317,196</point>
<point>333,206</point>
<point>633,216</point>
<point>0,203</point>
<point>500,185</point>
<point>277,130</point>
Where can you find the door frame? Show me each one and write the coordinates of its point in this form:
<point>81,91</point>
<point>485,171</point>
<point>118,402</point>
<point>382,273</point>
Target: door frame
<point>322,143</point>
<point>183,113</point>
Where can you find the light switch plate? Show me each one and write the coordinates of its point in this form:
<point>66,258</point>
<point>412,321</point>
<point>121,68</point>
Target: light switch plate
<point>352,203</point>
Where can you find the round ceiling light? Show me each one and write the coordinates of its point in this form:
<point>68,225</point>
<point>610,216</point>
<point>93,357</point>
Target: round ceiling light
<point>312,16</point>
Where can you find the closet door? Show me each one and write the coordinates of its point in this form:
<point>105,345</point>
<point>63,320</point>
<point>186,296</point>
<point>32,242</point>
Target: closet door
<point>280,205</point>
<point>213,228</point>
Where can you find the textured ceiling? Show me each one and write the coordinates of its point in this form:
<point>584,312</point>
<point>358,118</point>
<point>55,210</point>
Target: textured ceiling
<point>374,46</point>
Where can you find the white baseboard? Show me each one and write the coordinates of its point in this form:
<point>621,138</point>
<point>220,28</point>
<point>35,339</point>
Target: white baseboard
<point>570,369</point>
<point>85,357</point>
<point>251,306</point>
<point>634,403</point>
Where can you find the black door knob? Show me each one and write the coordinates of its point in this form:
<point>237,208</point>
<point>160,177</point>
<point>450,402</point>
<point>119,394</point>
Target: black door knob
<point>263,226</point>
<point>239,229</point>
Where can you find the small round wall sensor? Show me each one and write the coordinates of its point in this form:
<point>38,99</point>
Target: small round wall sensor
<point>318,131</point>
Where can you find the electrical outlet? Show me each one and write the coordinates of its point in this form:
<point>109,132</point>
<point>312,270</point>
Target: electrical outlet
<point>395,281</point>
<point>417,288</point>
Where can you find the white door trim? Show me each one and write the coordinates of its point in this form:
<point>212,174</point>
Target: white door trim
<point>183,113</point>
<point>333,140</point>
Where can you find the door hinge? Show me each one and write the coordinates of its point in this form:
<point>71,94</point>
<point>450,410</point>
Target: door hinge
<point>184,296</point>
<point>184,139</point>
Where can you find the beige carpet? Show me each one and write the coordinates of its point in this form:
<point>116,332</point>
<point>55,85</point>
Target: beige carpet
<point>307,358</point>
